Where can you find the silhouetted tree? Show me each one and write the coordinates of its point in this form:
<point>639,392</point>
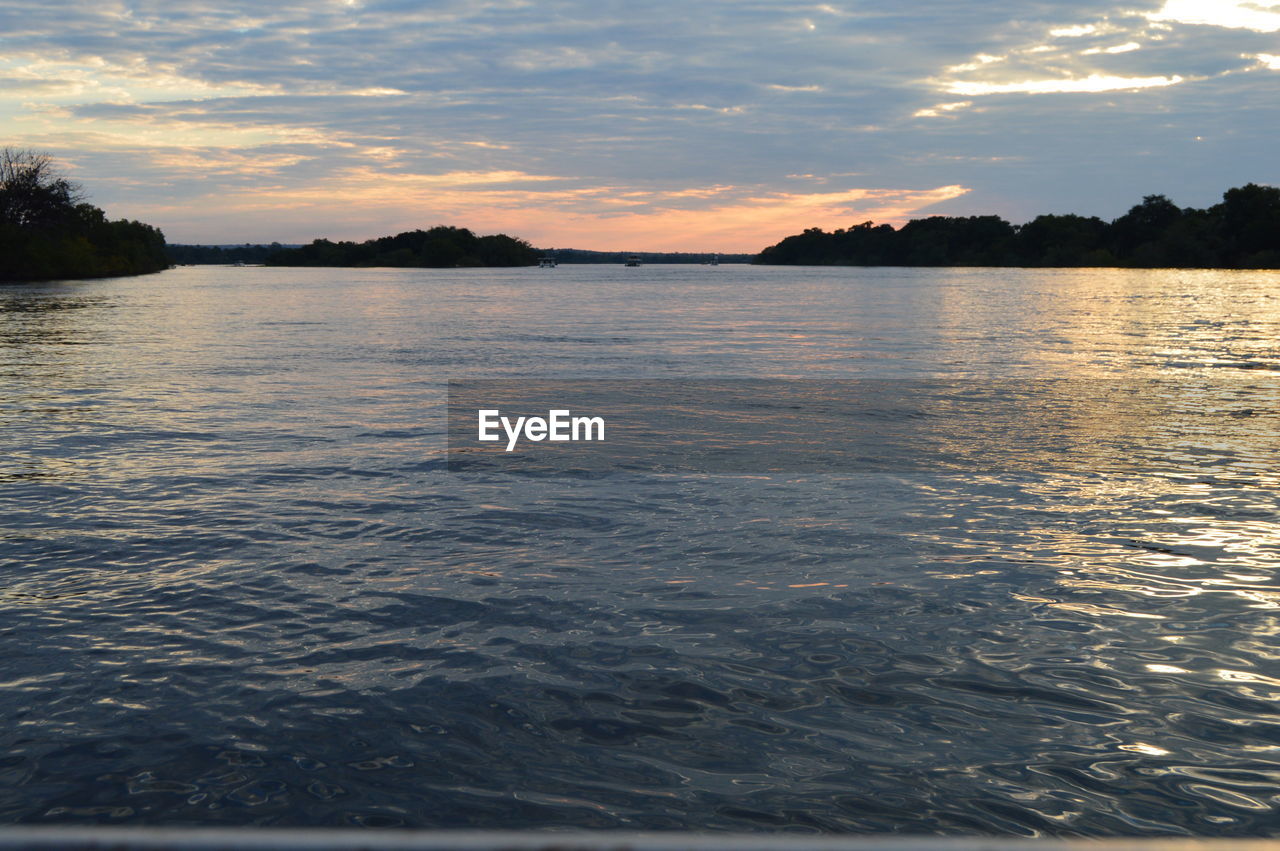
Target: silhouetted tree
<point>1194,240</point>
<point>1137,233</point>
<point>1242,232</point>
<point>1068,240</point>
<point>199,255</point>
<point>46,231</point>
<point>947,241</point>
<point>440,247</point>
<point>33,194</point>
<point>1250,221</point>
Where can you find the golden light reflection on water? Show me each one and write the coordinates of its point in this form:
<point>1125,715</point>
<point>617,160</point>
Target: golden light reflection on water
<point>1099,321</point>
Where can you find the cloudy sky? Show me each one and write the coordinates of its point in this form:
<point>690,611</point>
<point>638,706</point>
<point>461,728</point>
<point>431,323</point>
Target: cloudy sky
<point>640,125</point>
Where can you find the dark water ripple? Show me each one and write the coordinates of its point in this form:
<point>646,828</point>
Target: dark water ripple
<point>239,587</point>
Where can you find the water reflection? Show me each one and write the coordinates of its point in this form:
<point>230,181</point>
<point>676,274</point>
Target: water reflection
<point>247,591</point>
<point>956,426</point>
<point>31,316</point>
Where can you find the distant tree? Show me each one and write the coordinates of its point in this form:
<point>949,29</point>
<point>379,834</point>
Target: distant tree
<point>46,231</point>
<point>1193,241</point>
<point>1068,240</point>
<point>1249,217</point>
<point>33,194</point>
<point>865,244</point>
<point>579,255</point>
<point>812,247</point>
<point>440,247</point>
<point>197,255</point>
<point>1138,234</point>
<point>958,241</point>
<point>1243,231</point>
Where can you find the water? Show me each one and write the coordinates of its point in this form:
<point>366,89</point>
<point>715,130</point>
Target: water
<point>239,586</point>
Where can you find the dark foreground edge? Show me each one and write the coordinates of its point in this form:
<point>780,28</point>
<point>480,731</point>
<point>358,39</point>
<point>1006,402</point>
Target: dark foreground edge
<point>283,839</point>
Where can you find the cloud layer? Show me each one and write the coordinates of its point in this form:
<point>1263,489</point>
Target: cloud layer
<point>721,125</point>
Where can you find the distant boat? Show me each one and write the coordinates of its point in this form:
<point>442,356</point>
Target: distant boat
<point>633,260</point>
<point>238,263</point>
<point>547,263</point>
<point>714,261</point>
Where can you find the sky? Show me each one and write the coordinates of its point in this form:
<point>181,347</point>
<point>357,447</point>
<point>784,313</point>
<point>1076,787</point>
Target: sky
<point>646,125</point>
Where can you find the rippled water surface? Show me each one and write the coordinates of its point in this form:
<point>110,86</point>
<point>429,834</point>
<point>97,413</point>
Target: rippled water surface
<point>239,585</point>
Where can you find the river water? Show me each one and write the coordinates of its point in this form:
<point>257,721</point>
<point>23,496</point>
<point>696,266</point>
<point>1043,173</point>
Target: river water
<point>240,585</point>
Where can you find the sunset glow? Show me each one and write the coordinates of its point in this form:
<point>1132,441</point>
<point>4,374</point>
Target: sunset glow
<point>353,119</point>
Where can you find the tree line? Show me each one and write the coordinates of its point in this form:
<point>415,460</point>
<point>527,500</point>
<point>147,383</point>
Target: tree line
<point>1241,232</point>
<point>196,255</point>
<point>212,255</point>
<point>582,255</point>
<point>48,231</point>
<point>440,247</point>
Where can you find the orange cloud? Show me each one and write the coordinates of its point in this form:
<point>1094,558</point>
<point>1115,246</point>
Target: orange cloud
<point>747,225</point>
<point>720,218</point>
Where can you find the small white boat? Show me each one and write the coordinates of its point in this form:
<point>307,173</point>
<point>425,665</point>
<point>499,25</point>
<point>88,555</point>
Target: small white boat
<point>547,263</point>
<point>633,260</point>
